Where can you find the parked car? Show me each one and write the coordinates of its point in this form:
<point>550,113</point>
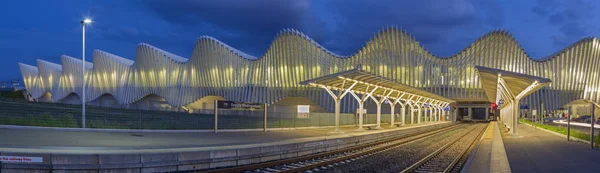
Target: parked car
<point>581,119</point>
<point>589,120</point>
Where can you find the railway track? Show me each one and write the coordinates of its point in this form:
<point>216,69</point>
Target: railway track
<point>451,156</point>
<point>322,161</point>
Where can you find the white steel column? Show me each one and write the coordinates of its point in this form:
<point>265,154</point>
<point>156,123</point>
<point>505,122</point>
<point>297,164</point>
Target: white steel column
<point>337,99</point>
<point>412,112</point>
<point>392,116</point>
<point>378,103</point>
<point>515,116</point>
<point>426,111</point>
<point>337,114</point>
<point>361,102</point>
<point>421,111</point>
<point>429,112</point>
<point>392,106</point>
<point>437,113</point>
<point>378,115</point>
<point>403,114</point>
<point>414,105</point>
<point>443,115</point>
<point>440,112</point>
<point>432,110</point>
<point>434,115</point>
<point>407,103</point>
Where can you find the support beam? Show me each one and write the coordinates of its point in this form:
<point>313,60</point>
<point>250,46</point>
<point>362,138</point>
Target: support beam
<point>392,116</point>
<point>337,115</point>
<point>419,114</point>
<point>412,112</point>
<point>415,105</point>
<point>406,103</point>
<point>421,111</point>
<point>432,110</point>
<point>337,99</point>
<point>361,103</point>
<point>392,109</point>
<point>403,114</point>
<point>440,114</point>
<point>379,103</point>
<point>439,111</point>
<point>434,114</point>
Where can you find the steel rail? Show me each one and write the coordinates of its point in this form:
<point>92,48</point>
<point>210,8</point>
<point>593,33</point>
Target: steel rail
<point>416,136</point>
<point>429,157</point>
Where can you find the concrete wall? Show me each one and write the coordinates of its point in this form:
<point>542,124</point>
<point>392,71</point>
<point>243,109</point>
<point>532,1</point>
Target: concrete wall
<point>287,105</point>
<point>205,103</point>
<point>71,99</point>
<point>105,100</point>
<point>150,102</point>
<point>290,105</point>
<point>47,97</point>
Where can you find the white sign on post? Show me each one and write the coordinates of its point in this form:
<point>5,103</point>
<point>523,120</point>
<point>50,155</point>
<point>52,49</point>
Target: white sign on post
<point>21,159</point>
<point>303,111</point>
<point>303,108</point>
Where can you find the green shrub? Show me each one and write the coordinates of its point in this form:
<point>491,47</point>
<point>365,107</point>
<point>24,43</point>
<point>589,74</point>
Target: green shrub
<point>67,120</point>
<point>44,119</point>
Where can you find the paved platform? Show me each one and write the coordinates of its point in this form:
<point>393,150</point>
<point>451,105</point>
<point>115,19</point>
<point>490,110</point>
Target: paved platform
<point>81,142</point>
<point>489,155</point>
<point>534,150</point>
<point>62,150</point>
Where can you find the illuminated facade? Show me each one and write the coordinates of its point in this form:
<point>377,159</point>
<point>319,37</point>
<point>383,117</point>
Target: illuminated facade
<point>216,69</point>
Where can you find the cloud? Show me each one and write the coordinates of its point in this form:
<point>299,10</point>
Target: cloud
<point>545,7</point>
<point>341,26</point>
<point>254,21</point>
<point>560,40</point>
<point>570,17</point>
<point>433,23</point>
<point>494,13</point>
<point>556,19</point>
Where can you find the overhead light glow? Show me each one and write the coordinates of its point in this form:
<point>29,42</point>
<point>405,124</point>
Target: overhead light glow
<point>86,21</point>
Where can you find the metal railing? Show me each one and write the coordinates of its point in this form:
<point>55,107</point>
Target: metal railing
<point>17,112</point>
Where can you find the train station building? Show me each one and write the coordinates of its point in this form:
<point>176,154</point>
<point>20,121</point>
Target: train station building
<point>395,75</point>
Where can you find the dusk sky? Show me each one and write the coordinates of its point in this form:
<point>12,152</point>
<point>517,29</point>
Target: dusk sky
<point>46,29</point>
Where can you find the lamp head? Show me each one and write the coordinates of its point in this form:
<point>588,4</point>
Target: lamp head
<point>86,21</point>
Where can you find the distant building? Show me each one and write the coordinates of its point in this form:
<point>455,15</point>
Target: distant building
<point>217,71</point>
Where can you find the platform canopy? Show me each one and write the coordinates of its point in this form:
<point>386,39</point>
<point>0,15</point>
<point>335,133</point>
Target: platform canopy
<point>356,81</point>
<point>506,85</point>
<point>366,82</point>
<point>510,87</point>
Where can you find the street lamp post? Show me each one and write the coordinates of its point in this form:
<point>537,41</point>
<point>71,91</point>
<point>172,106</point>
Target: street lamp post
<point>84,23</point>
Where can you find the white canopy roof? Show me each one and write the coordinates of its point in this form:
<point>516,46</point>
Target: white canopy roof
<point>365,82</point>
<point>508,85</point>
